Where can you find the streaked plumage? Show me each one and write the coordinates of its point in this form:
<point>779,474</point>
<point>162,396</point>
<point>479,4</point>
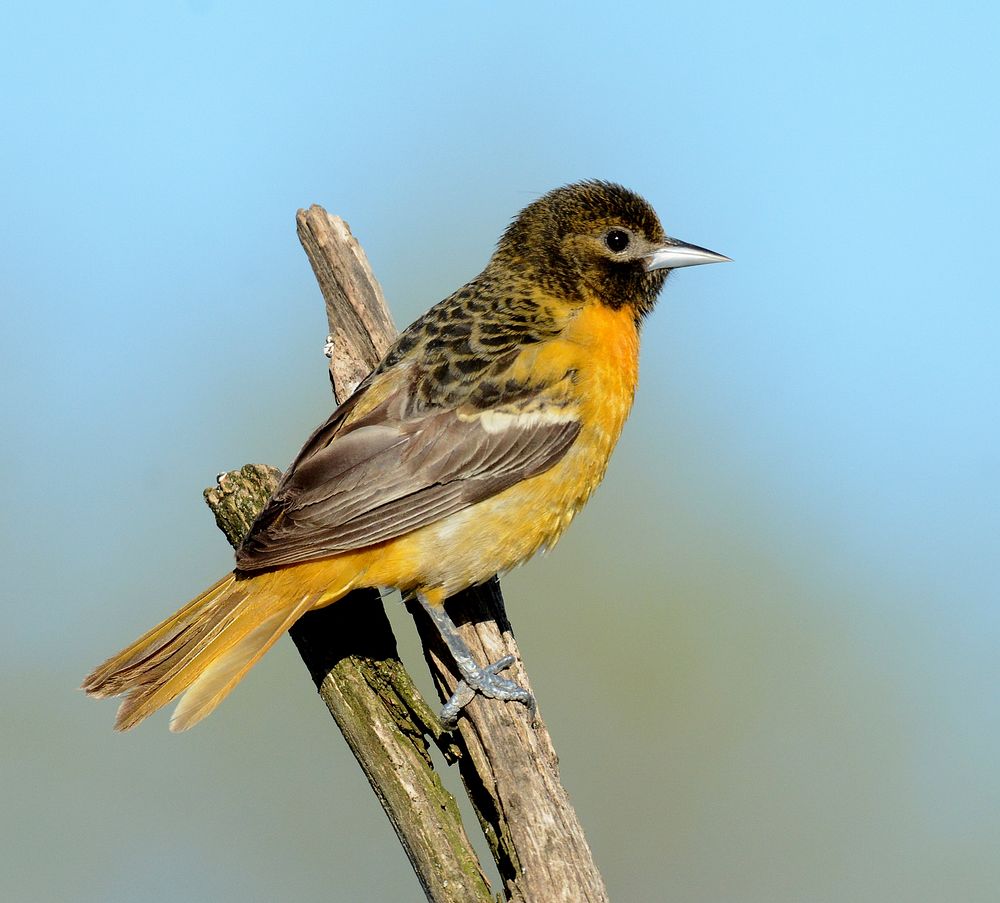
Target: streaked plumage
<point>473,444</point>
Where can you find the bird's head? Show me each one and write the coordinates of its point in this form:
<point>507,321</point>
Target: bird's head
<point>596,239</point>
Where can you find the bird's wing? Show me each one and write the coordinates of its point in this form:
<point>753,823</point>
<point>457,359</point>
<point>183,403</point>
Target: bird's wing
<point>382,467</point>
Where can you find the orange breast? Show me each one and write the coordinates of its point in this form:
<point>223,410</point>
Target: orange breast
<point>468,547</point>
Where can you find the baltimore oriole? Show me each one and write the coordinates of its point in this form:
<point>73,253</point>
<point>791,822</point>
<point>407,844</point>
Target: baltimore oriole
<point>470,446</point>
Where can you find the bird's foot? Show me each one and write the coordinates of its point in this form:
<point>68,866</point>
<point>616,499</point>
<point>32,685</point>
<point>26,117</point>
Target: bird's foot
<point>486,681</point>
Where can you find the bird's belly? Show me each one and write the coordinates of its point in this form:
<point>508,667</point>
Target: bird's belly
<point>501,532</point>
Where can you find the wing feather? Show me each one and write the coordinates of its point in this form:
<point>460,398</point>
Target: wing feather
<point>365,479</point>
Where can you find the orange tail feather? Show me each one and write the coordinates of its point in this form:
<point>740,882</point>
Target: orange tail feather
<point>208,646</point>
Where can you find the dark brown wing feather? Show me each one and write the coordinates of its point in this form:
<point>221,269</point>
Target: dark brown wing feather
<point>366,480</point>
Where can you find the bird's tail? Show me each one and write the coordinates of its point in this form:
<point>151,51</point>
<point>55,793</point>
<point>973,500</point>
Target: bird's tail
<point>207,647</point>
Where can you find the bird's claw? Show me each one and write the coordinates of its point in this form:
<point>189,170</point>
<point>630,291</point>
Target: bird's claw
<point>489,683</point>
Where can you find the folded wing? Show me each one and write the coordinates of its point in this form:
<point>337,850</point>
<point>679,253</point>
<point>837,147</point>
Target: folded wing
<point>366,478</point>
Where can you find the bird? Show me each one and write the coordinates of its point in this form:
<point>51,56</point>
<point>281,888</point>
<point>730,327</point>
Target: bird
<point>471,446</point>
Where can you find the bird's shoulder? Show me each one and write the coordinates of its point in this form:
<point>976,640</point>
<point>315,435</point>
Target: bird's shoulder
<point>487,344</point>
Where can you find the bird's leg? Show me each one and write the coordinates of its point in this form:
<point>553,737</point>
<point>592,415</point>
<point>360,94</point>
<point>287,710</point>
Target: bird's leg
<point>474,679</point>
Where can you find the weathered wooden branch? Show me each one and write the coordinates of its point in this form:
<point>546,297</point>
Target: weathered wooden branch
<point>350,652</point>
<point>509,766</point>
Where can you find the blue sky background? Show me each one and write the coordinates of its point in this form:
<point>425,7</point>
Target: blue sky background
<point>767,651</point>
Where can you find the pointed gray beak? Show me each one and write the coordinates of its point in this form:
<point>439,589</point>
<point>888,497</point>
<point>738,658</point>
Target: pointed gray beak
<point>674,254</point>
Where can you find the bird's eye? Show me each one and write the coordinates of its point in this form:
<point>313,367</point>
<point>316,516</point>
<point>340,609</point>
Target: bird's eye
<point>617,240</point>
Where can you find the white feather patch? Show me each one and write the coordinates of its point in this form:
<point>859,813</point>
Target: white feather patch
<point>500,421</point>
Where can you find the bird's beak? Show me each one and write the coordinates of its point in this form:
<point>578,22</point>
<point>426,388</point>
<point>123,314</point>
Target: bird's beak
<point>673,254</point>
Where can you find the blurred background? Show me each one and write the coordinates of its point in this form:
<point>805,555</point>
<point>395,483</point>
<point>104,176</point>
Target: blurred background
<point>767,651</point>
